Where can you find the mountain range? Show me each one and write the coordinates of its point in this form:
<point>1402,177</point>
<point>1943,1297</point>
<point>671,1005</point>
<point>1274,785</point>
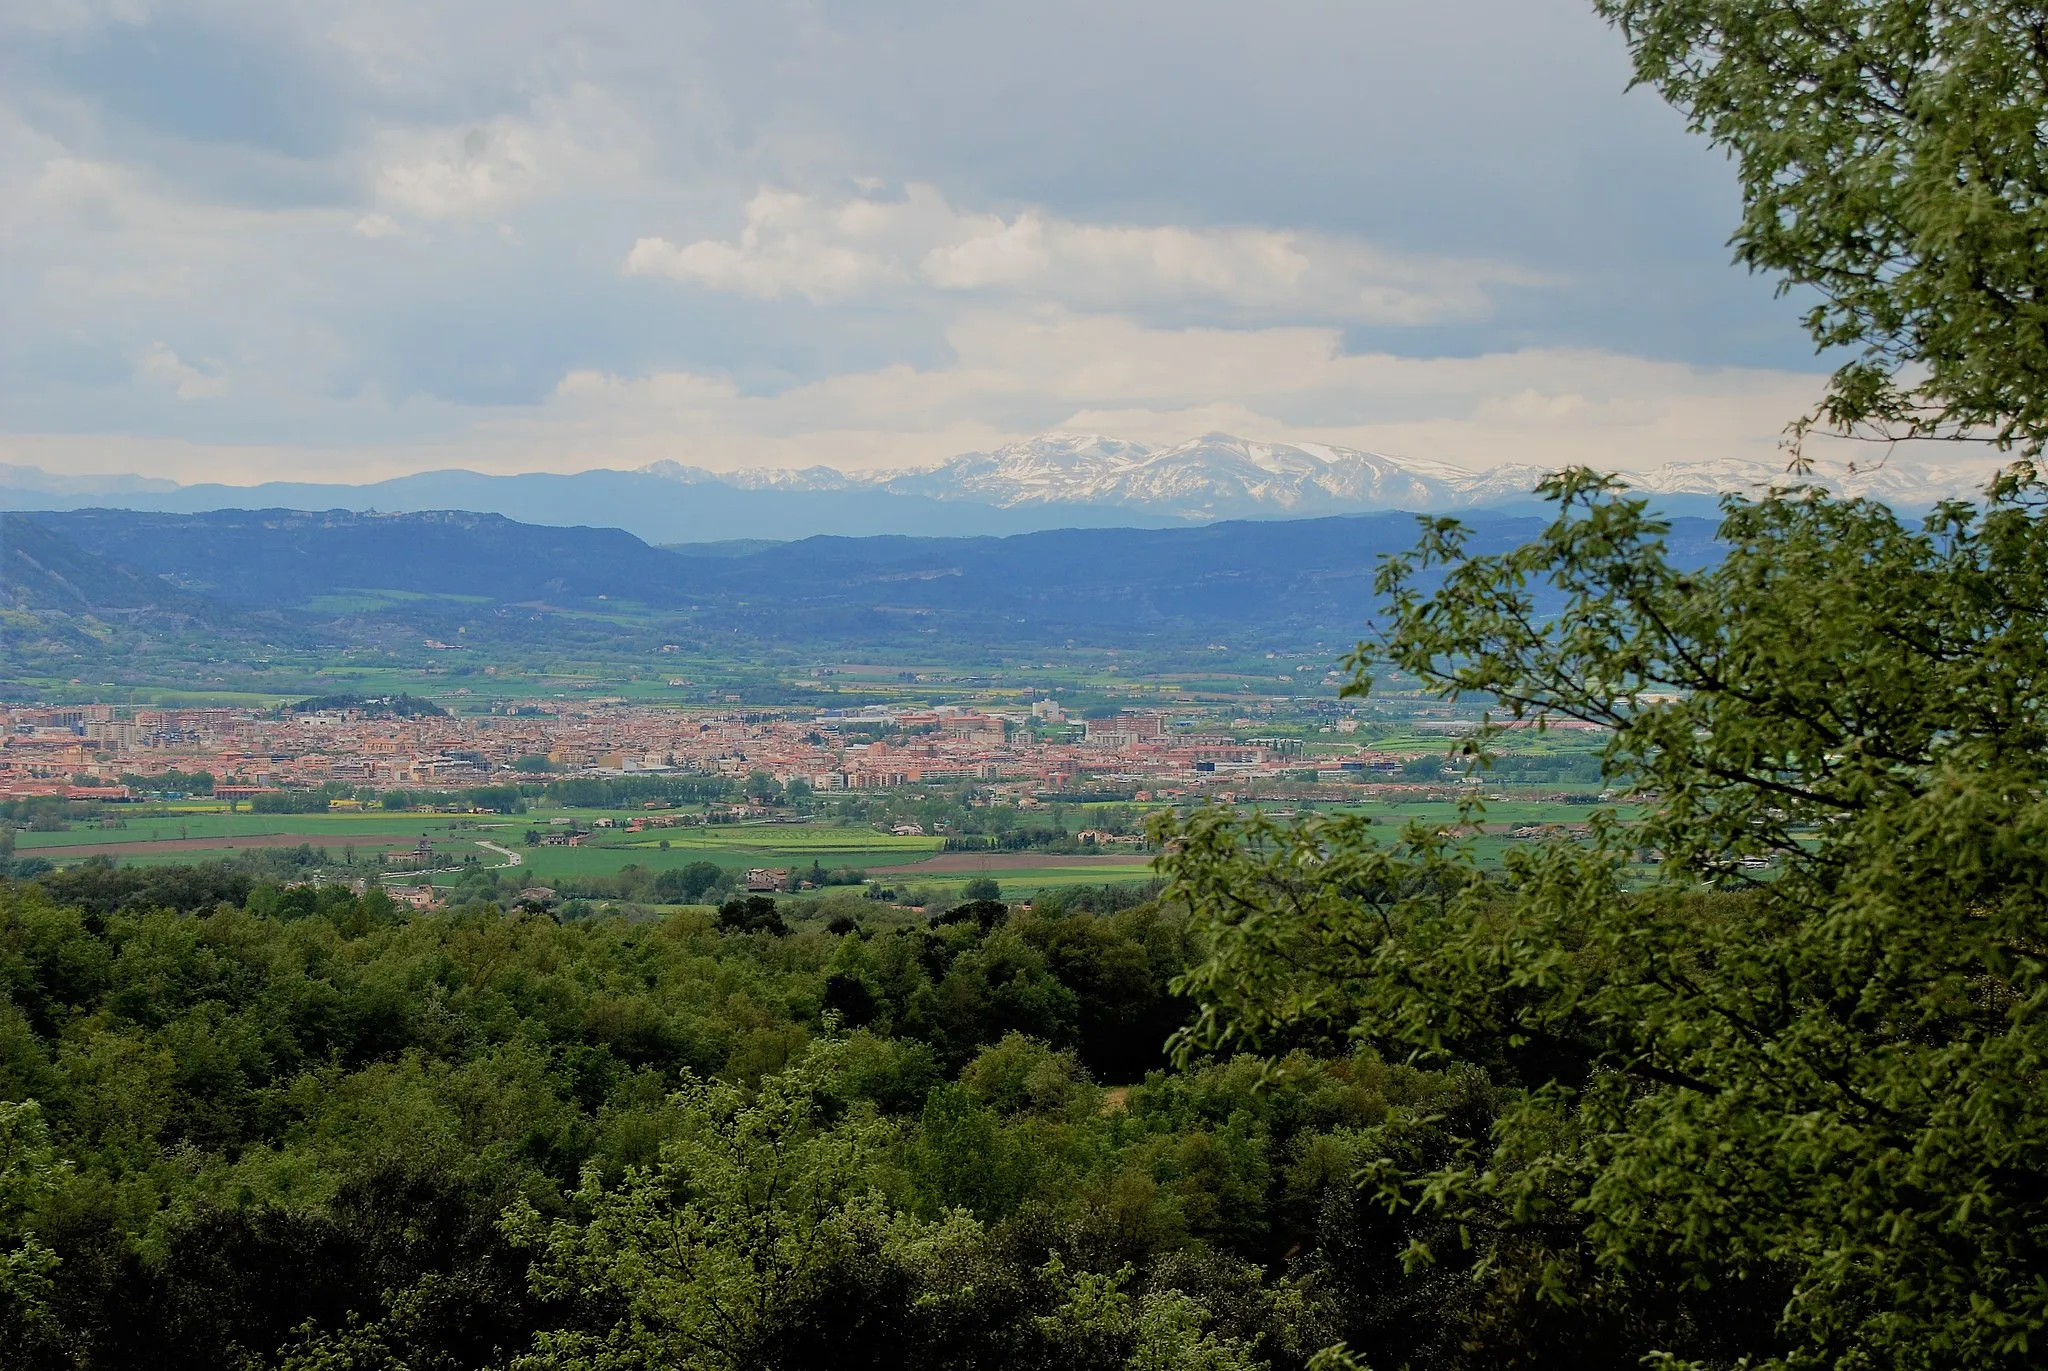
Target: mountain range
<point>286,577</point>
<point>1056,480</point>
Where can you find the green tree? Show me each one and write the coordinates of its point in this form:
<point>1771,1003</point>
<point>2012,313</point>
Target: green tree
<point>709,1254</point>
<point>981,888</point>
<point>29,1170</point>
<point>1798,1061</point>
<point>751,914</point>
<point>1892,164</point>
<point>1099,1323</point>
<point>687,884</point>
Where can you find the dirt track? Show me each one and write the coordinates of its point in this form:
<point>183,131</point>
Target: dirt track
<point>146,846</point>
<point>1009,861</point>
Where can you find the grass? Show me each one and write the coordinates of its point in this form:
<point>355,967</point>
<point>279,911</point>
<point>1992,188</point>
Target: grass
<point>820,840</point>
<point>605,851</point>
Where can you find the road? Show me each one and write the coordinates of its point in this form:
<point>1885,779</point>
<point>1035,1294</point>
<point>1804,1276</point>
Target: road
<point>511,858</point>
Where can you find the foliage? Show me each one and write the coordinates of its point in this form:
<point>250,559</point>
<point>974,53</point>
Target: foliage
<point>498,799</point>
<point>686,884</point>
<point>1099,1323</point>
<point>28,1169</point>
<point>312,801</point>
<point>263,1124</point>
<point>99,887</point>
<point>181,782</point>
<point>616,792</point>
<point>400,706</point>
<point>1779,1097</point>
<point>712,1253</point>
<point>752,914</point>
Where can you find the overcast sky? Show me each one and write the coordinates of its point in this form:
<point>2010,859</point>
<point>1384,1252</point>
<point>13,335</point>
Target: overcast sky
<point>251,240</point>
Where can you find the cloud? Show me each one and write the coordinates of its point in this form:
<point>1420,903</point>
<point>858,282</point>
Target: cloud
<point>482,167</point>
<point>163,365</point>
<point>399,226</point>
<point>799,245</point>
<point>1012,375</point>
<point>84,195</point>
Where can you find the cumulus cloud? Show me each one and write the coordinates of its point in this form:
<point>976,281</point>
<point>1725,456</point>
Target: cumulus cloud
<point>82,194</point>
<point>164,366</point>
<point>1012,375</point>
<point>800,245</point>
<point>482,167</point>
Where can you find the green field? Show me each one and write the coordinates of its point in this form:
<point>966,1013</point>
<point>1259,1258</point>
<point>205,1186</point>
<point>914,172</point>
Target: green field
<point>202,831</point>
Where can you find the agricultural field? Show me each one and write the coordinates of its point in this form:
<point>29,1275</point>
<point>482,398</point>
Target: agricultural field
<point>389,842</point>
<point>457,841</point>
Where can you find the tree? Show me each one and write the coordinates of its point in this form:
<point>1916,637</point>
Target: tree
<point>1892,163</point>
<point>687,884</point>
<point>981,888</point>
<point>29,1169</point>
<point>1795,1066</point>
<point>1098,1323</point>
<point>705,1259</point>
<point>1793,1069</point>
<point>751,914</point>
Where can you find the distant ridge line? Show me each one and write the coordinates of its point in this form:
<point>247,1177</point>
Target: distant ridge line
<point>1054,480</point>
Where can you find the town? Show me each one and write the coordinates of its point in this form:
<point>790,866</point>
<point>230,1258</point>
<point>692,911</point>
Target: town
<point>111,754</point>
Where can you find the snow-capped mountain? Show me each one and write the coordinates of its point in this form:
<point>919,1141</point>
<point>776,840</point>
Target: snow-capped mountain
<point>1220,476</point>
<point>1901,482</point>
<point>1209,477</point>
<point>1056,480</point>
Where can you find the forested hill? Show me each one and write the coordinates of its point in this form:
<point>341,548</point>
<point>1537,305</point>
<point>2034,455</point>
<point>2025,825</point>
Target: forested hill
<point>61,602</point>
<point>1291,578</point>
<point>281,558</point>
<point>40,570</point>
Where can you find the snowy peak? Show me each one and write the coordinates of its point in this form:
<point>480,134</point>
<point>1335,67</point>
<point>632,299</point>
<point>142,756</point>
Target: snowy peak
<point>1221,476</point>
<point>1215,476</point>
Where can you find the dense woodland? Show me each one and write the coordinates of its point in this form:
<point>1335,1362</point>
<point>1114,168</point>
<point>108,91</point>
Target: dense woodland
<point>274,1125</point>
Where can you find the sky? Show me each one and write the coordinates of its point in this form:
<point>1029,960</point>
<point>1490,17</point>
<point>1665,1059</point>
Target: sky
<point>285,240</point>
